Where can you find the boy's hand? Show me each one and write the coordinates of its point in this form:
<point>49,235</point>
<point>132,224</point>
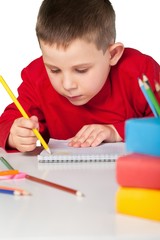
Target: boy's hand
<point>21,135</point>
<point>94,134</point>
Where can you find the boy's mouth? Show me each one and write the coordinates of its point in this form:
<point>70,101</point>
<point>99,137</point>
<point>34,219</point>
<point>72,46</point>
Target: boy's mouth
<point>78,97</point>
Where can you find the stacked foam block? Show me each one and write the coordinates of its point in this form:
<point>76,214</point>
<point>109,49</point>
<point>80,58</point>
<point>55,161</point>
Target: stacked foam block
<point>138,172</point>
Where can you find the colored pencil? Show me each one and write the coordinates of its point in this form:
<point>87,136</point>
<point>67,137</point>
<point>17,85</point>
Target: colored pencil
<point>55,185</point>
<point>24,114</point>
<point>3,160</point>
<point>19,175</point>
<point>152,97</point>
<point>145,80</point>
<point>147,97</point>
<point>157,86</point>
<point>13,191</point>
<point>9,172</point>
<point>47,183</point>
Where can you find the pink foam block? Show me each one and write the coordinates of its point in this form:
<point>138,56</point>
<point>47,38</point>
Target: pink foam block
<point>138,170</point>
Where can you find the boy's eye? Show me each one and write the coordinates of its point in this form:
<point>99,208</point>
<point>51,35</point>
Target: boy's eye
<point>82,70</point>
<point>55,70</point>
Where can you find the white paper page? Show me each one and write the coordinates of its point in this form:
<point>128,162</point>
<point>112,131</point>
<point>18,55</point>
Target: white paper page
<point>61,152</point>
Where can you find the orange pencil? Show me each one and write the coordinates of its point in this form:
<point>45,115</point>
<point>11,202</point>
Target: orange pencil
<point>9,172</point>
<point>45,182</point>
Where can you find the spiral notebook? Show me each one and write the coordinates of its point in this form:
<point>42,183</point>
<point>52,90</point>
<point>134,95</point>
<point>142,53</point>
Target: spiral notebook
<point>61,152</point>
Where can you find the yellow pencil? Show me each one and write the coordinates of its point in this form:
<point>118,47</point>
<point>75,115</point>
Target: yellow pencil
<point>24,114</point>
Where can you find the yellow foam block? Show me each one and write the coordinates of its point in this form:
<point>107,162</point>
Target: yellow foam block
<point>140,202</point>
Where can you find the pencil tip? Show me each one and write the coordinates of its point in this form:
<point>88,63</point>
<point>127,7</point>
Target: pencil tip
<point>22,193</point>
<point>145,77</point>
<point>157,86</point>
<point>49,151</point>
<point>140,82</point>
<point>80,194</point>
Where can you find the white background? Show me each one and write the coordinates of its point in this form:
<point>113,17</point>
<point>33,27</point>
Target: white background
<point>137,26</point>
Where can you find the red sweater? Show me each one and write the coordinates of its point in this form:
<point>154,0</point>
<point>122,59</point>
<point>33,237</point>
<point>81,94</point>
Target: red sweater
<point>120,99</point>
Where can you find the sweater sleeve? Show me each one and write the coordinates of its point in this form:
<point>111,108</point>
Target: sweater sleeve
<point>6,120</point>
<point>120,127</point>
<point>5,126</point>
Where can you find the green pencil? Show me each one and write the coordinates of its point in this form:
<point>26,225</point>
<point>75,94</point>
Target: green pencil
<point>152,97</point>
<point>3,160</point>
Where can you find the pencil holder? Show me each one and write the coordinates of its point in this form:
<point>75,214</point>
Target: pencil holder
<point>142,135</point>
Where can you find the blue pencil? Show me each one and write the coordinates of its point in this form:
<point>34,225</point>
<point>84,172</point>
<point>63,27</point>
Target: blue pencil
<point>11,192</point>
<point>147,98</point>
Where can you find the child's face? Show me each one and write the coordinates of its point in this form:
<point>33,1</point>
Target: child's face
<point>78,72</point>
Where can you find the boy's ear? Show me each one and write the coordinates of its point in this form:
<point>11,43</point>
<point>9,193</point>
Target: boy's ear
<point>115,51</point>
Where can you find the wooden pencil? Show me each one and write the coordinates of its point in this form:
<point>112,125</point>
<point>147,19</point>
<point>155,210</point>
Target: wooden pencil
<point>157,87</point>
<point>145,80</point>
<point>54,185</point>
<point>13,191</point>
<point>9,172</point>
<point>3,160</point>
<point>24,114</point>
<point>152,97</point>
<point>47,183</point>
<point>141,84</point>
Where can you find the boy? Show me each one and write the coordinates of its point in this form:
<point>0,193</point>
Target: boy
<point>84,87</point>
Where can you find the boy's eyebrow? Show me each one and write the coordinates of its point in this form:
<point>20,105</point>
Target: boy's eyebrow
<point>49,65</point>
<point>82,65</point>
<point>77,65</point>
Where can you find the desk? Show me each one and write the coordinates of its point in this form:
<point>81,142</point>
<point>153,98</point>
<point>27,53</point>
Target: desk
<point>51,214</point>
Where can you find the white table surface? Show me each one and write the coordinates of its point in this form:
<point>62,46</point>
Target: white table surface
<point>51,214</point>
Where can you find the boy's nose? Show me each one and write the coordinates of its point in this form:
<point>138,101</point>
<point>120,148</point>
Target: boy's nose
<point>69,83</point>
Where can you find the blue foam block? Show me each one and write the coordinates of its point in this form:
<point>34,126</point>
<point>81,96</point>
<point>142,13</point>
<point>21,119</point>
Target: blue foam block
<point>143,136</point>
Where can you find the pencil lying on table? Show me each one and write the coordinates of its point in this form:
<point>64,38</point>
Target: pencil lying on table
<point>13,191</point>
<point>8,172</point>
<point>55,185</point>
<point>24,114</point>
<point>3,160</point>
<point>45,182</point>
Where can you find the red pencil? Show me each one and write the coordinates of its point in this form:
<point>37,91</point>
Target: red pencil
<point>55,185</point>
